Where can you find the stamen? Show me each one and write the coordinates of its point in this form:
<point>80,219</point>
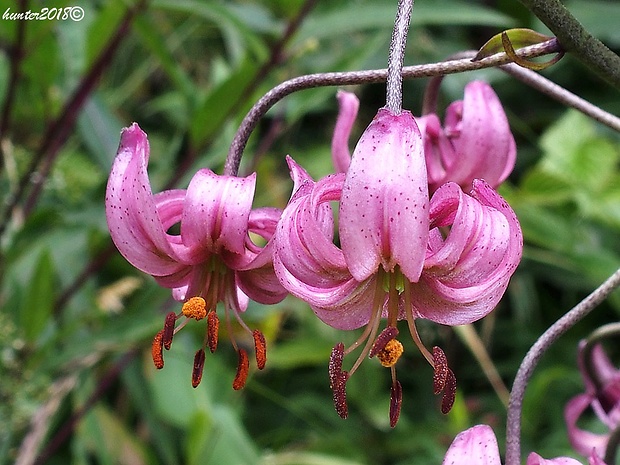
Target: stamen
<point>335,364</point>
<point>243,369</point>
<point>260,348</point>
<point>196,308</point>
<point>449,394</point>
<point>340,394</point>
<point>213,326</point>
<point>157,350</point>
<point>386,336</point>
<point>168,333</point>
<point>441,370</point>
<point>199,364</point>
<point>390,354</point>
<point>396,400</point>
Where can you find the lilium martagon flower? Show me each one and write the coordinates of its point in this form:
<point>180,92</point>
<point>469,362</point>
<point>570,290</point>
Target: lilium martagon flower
<point>478,446</point>
<point>212,260</point>
<point>601,396</point>
<point>474,143</point>
<point>401,257</point>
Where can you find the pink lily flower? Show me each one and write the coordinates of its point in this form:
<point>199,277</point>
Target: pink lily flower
<point>212,259</point>
<point>475,142</point>
<point>602,395</point>
<point>401,257</point>
<point>478,446</point>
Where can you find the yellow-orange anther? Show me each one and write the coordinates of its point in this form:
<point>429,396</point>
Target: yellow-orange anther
<point>389,355</point>
<point>196,308</point>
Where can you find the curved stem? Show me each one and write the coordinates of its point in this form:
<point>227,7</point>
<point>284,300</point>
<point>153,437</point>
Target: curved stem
<point>544,85</point>
<point>515,404</point>
<point>309,81</point>
<point>576,39</point>
<point>394,91</point>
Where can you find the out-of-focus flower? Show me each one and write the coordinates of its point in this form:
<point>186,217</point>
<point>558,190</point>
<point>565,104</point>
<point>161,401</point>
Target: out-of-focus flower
<point>213,258</point>
<point>602,395</point>
<point>475,142</point>
<point>478,446</point>
<point>401,257</point>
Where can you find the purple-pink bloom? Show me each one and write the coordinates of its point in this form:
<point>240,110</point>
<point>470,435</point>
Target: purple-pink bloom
<point>212,259</point>
<point>475,142</point>
<point>401,257</point>
<point>478,446</point>
<point>602,396</point>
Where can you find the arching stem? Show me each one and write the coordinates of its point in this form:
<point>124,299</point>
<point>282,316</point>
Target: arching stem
<point>394,92</point>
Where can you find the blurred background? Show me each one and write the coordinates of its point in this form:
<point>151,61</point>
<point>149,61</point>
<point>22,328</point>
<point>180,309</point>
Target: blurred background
<point>77,384</point>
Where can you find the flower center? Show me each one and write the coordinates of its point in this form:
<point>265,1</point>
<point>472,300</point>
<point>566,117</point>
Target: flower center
<point>392,298</point>
<point>221,287</point>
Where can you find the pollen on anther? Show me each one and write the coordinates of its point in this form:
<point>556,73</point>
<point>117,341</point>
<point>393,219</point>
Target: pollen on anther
<point>340,394</point>
<point>335,364</point>
<point>157,350</point>
<point>168,333</point>
<point>440,374</point>
<point>390,354</point>
<point>449,393</point>
<point>195,307</point>
<point>243,369</point>
<point>260,348</point>
<point>213,326</point>
<point>199,364</point>
<point>396,401</point>
<point>386,336</point>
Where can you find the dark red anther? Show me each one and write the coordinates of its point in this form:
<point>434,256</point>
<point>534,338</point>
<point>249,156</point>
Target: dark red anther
<point>169,323</point>
<point>335,364</point>
<point>340,394</point>
<point>449,393</point>
<point>260,348</point>
<point>396,400</point>
<point>243,368</point>
<point>383,338</point>
<point>440,375</point>
<point>213,326</point>
<point>157,350</point>
<point>199,365</point>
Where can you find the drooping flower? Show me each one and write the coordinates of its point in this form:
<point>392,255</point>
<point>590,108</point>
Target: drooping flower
<point>602,396</point>
<point>478,446</point>
<point>475,142</point>
<point>213,258</point>
<point>401,257</point>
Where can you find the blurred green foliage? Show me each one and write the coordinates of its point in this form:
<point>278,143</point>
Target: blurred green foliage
<point>77,321</point>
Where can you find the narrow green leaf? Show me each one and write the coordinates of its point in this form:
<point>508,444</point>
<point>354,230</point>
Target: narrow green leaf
<point>216,107</point>
<point>37,306</point>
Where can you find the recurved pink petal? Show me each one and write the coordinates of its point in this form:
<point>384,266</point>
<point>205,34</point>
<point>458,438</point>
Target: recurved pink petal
<point>216,213</point>
<point>584,442</point>
<point>131,211</point>
<point>535,459</point>
<point>466,273</point>
<point>480,133</point>
<point>384,206</point>
<point>475,446</point>
<point>348,106</point>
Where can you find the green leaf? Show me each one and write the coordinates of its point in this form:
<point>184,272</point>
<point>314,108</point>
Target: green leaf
<point>36,309</point>
<point>218,104</point>
<point>519,38</point>
<point>543,188</point>
<point>353,17</point>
